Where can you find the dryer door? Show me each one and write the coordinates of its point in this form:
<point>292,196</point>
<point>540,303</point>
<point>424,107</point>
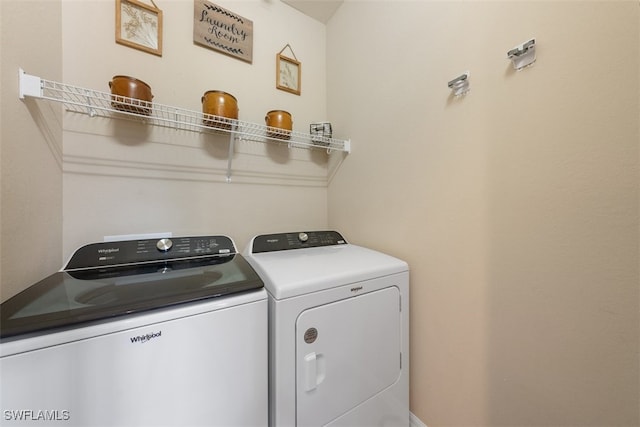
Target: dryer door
<point>346,352</point>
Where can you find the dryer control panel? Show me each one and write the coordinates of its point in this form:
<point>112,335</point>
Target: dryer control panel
<point>296,240</point>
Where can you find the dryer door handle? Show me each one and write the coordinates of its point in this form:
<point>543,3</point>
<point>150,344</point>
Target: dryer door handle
<point>314,370</point>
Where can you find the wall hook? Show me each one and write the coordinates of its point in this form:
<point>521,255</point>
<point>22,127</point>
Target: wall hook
<point>523,55</point>
<point>460,85</point>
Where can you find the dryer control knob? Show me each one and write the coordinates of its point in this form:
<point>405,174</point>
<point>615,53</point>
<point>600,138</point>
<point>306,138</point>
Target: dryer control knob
<point>303,237</point>
<point>164,245</point>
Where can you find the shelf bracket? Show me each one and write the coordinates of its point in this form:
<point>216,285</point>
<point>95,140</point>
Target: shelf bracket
<point>29,85</point>
<point>232,140</point>
<point>347,146</point>
<point>91,111</point>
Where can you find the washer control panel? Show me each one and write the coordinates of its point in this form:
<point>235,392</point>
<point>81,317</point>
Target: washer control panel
<point>149,250</point>
<point>296,240</point>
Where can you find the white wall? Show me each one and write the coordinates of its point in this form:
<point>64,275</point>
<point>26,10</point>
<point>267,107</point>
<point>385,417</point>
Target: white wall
<point>515,206</point>
<point>69,179</point>
<point>31,147</point>
<point>124,178</point>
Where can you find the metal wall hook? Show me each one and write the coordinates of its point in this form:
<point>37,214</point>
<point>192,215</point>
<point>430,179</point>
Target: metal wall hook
<point>523,55</point>
<point>460,85</point>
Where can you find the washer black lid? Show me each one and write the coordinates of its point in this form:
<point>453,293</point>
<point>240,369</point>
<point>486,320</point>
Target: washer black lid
<point>76,296</point>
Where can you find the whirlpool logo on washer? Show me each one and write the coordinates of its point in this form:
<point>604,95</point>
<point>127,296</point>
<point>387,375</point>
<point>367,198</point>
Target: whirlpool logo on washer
<point>142,339</point>
<point>356,289</point>
<point>108,251</point>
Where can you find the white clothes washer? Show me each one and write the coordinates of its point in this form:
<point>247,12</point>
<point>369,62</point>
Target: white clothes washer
<point>338,331</point>
<point>168,332</point>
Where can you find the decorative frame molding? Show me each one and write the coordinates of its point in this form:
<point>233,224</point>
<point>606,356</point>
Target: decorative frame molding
<point>288,74</point>
<point>139,26</point>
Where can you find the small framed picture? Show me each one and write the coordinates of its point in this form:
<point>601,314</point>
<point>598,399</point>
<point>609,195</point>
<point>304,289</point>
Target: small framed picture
<point>288,74</point>
<point>139,26</point>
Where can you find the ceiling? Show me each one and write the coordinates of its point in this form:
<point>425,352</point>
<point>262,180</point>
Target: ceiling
<point>321,10</point>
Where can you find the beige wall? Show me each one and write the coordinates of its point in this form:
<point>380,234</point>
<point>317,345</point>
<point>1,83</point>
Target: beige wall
<point>30,147</point>
<point>515,206</point>
<point>117,177</point>
<point>127,178</point>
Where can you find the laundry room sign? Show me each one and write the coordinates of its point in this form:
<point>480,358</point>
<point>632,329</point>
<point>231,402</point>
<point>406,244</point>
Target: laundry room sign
<point>222,30</point>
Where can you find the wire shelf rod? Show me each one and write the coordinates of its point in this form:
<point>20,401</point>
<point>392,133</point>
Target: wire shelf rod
<point>93,102</point>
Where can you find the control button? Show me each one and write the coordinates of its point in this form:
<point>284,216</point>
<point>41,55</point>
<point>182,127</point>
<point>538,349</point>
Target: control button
<point>164,245</point>
<point>303,237</point>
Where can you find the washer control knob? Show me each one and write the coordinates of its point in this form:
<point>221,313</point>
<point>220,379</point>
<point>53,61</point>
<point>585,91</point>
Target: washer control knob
<point>303,237</point>
<point>164,245</point>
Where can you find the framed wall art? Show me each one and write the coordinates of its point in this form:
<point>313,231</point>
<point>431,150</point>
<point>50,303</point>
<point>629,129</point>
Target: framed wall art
<point>139,26</point>
<point>288,74</point>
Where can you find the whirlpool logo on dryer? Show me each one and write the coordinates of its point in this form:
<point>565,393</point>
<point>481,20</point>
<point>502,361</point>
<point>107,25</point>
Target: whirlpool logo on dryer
<point>141,339</point>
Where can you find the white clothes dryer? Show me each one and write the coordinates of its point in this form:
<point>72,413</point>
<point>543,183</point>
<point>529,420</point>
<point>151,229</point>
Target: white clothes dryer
<point>338,331</point>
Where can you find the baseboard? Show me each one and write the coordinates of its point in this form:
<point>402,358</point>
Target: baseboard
<point>415,421</point>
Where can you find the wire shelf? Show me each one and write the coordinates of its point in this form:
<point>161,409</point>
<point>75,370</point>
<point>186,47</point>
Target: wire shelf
<point>104,104</point>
